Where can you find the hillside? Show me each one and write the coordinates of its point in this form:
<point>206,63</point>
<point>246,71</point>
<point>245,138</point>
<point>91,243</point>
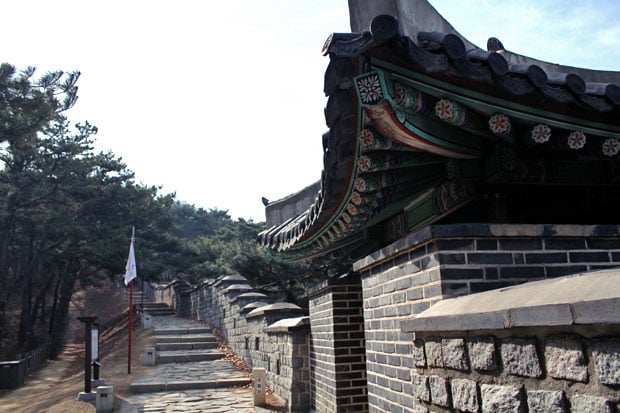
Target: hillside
<point>55,388</point>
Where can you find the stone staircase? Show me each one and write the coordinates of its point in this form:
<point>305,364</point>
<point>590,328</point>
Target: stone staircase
<point>188,356</point>
<point>156,309</point>
<point>181,345</point>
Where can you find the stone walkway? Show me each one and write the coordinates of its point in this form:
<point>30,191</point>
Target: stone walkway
<point>209,386</point>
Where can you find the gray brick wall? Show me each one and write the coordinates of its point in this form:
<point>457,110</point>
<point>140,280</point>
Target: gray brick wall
<point>338,346</point>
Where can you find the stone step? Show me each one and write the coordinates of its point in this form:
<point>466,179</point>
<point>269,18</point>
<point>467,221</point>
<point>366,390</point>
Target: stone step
<point>163,386</point>
<point>182,330</point>
<point>187,338</point>
<point>159,312</point>
<point>155,304</point>
<point>186,346</point>
<point>186,356</point>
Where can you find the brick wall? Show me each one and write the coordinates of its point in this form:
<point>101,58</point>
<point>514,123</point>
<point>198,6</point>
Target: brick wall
<point>442,261</point>
<point>338,346</point>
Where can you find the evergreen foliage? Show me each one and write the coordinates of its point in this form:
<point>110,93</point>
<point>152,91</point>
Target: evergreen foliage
<point>66,215</point>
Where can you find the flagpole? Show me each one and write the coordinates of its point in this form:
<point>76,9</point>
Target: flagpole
<point>130,326</point>
<point>130,275</point>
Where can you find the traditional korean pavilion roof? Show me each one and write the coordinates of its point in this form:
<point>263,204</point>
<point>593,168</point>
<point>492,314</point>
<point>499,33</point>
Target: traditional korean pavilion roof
<point>424,126</point>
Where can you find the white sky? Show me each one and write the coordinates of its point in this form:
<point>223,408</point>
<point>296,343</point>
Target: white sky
<point>222,102</point>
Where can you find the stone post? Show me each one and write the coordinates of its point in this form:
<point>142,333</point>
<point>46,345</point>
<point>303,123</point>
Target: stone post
<point>260,378</point>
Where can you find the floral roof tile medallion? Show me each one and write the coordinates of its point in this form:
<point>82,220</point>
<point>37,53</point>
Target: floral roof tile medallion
<point>541,133</point>
<point>364,163</point>
<point>369,88</point>
<point>611,147</point>
<point>367,139</point>
<point>450,112</point>
<point>576,140</point>
<point>499,124</point>
<point>352,209</point>
<point>360,185</point>
<point>356,198</point>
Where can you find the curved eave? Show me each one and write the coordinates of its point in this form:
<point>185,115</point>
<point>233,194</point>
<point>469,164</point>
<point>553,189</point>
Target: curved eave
<point>427,102</point>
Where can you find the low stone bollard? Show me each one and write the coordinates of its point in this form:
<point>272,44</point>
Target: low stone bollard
<point>260,378</point>
<point>104,402</point>
<point>147,320</point>
<point>149,356</point>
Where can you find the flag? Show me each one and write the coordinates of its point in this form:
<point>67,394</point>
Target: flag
<point>130,268</point>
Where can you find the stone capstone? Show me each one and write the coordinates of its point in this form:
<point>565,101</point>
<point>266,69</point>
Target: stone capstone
<point>606,355</point>
<point>454,354</point>
<point>496,398</point>
<point>565,358</point>
<point>465,395</point>
<point>520,358</point>
<point>482,353</point>
<point>544,401</point>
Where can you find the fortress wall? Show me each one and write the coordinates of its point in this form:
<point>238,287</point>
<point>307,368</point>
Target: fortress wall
<point>270,336</point>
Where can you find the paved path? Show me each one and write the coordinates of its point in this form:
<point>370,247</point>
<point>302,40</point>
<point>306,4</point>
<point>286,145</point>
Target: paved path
<point>208,386</point>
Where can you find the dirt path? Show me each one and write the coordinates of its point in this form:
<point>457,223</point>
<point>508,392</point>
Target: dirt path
<point>54,388</point>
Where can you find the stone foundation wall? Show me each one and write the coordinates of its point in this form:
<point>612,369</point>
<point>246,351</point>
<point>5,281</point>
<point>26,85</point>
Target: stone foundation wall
<point>535,370</point>
<point>273,336</point>
<point>444,261</point>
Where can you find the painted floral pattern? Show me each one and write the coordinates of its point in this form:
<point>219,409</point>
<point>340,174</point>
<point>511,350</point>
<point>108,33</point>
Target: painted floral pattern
<point>611,147</point>
<point>576,140</point>
<point>364,163</point>
<point>541,133</point>
<point>360,185</point>
<point>444,109</point>
<point>352,209</point>
<point>356,198</point>
<point>367,138</point>
<point>499,124</point>
<point>450,112</point>
<point>369,89</point>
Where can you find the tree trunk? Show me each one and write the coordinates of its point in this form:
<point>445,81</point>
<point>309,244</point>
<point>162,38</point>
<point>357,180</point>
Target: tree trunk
<point>54,306</point>
<point>67,282</point>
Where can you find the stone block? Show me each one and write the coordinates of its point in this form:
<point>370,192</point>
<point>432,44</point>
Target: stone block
<point>440,391</point>
<point>482,353</point>
<point>520,358</point>
<point>565,358</point>
<point>496,398</point>
<point>104,401</point>
<point>606,355</point>
<point>419,358</point>
<point>543,401</point>
<point>434,355</point>
<point>454,354</point>
<point>589,404</point>
<point>465,395</point>
<point>420,387</point>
